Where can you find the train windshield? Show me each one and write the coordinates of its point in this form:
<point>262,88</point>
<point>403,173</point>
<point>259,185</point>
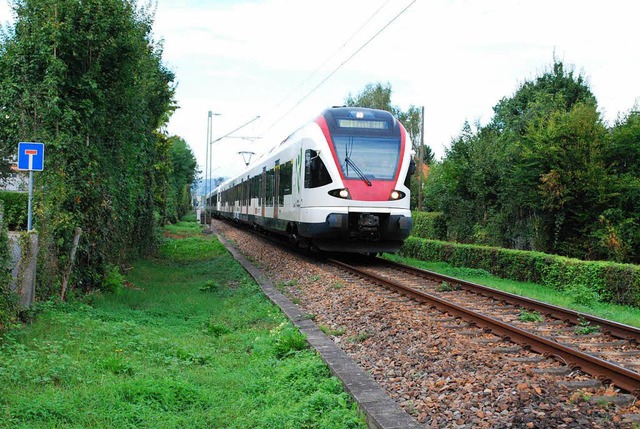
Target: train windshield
<point>367,158</point>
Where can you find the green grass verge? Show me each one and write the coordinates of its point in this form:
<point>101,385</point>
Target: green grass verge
<point>618,313</point>
<point>191,343</point>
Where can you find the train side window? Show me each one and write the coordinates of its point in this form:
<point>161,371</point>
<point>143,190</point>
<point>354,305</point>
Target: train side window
<point>315,172</point>
<point>270,187</point>
<point>286,180</point>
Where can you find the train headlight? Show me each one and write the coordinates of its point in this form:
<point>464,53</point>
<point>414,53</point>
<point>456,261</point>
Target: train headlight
<point>396,195</point>
<point>340,193</point>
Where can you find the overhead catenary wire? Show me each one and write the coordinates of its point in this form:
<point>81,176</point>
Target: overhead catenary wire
<point>335,70</point>
<point>333,54</point>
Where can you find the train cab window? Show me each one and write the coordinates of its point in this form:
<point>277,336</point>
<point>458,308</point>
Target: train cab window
<point>368,156</point>
<point>315,172</point>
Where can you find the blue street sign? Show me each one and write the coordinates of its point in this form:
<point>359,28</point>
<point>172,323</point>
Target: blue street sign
<point>30,156</point>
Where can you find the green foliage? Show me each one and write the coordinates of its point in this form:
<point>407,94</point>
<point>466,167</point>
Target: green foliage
<point>582,294</point>
<point>9,301</point>
<point>163,354</point>
<point>288,340</point>
<point>590,281</point>
<point>198,248</point>
<point>545,174</point>
<point>447,287</point>
<point>373,96</point>
<point>15,206</point>
<point>333,332</point>
<point>584,327</point>
<point>87,79</point>
<point>530,316</point>
<point>113,280</point>
<point>211,286</point>
<point>430,225</point>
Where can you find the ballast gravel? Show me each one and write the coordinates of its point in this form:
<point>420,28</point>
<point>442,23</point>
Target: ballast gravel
<point>443,372</point>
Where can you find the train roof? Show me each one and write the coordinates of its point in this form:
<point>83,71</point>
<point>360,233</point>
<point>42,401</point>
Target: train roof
<point>335,117</point>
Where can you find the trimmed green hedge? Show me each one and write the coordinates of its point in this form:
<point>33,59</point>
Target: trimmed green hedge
<point>606,281</point>
<point>15,209</point>
<point>431,225</point>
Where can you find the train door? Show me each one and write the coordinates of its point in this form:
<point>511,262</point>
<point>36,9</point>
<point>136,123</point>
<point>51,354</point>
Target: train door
<point>276,187</point>
<point>248,195</point>
<point>263,191</point>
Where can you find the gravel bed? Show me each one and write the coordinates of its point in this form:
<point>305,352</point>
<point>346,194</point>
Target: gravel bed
<point>441,371</point>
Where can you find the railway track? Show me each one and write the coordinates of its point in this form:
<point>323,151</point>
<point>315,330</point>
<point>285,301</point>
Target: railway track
<point>606,350</point>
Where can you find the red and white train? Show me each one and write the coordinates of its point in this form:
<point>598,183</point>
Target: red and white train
<point>339,183</point>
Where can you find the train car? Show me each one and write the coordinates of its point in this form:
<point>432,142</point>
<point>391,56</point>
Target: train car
<point>339,183</point>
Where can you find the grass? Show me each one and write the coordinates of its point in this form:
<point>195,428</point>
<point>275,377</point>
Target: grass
<point>618,313</point>
<point>191,343</point>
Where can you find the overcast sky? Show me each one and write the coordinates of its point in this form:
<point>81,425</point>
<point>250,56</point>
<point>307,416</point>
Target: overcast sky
<point>457,58</point>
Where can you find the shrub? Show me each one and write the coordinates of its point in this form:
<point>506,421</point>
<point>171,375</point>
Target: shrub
<point>113,280</point>
<point>605,281</point>
<point>15,209</point>
<point>288,340</point>
<point>431,225</point>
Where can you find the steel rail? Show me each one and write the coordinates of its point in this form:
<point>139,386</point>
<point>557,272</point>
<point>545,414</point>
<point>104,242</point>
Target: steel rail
<point>619,330</point>
<point>607,372</point>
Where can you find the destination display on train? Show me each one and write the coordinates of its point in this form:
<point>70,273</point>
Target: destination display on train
<point>352,123</point>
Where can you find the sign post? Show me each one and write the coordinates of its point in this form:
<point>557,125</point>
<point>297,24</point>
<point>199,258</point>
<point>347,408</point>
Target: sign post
<point>30,158</point>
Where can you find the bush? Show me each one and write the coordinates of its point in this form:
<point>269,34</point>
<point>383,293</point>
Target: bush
<point>9,301</point>
<point>288,340</point>
<point>606,281</point>
<point>15,209</point>
<point>113,280</point>
<point>431,225</point>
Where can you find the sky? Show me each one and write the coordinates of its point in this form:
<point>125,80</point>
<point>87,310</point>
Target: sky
<point>286,61</point>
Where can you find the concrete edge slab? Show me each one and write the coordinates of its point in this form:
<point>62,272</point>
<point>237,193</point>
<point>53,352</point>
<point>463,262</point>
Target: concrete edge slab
<point>380,411</point>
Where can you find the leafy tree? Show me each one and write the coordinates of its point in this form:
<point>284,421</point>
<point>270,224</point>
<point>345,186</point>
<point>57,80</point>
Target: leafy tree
<point>616,236</point>
<point>534,177</point>
<point>373,96</point>
<point>87,79</point>
<point>183,166</point>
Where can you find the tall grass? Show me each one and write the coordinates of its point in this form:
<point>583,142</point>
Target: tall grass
<point>191,342</point>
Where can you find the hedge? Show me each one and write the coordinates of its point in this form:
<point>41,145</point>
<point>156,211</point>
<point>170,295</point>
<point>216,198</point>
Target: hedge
<point>612,282</point>
<point>431,225</point>
<point>15,209</point>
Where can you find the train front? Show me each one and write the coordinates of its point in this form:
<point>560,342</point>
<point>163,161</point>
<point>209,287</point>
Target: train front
<point>368,203</point>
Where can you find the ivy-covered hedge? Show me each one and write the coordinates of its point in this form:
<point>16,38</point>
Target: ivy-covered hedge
<point>8,300</point>
<point>431,225</point>
<point>15,209</point>
<point>608,281</point>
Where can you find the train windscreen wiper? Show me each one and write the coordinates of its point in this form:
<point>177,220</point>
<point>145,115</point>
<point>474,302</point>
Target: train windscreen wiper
<point>348,162</point>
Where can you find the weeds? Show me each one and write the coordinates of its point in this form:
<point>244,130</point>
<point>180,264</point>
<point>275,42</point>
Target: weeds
<point>582,294</point>
<point>362,336</point>
<point>584,327</point>
<point>447,287</point>
<point>336,286</point>
<point>530,316</point>
<point>333,332</point>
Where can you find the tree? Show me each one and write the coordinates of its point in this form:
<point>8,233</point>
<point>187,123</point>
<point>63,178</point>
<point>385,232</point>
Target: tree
<point>87,79</point>
<point>183,168</point>
<point>373,96</point>
<point>616,236</point>
<point>534,177</point>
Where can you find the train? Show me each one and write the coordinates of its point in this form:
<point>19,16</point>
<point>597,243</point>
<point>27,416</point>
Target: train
<point>340,183</point>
